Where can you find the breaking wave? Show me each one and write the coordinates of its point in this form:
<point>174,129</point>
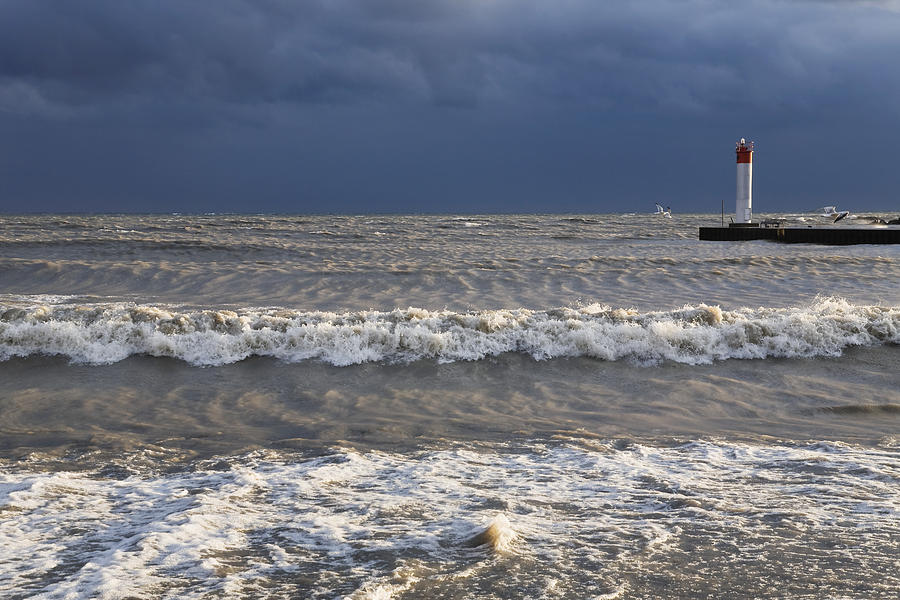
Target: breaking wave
<point>104,333</point>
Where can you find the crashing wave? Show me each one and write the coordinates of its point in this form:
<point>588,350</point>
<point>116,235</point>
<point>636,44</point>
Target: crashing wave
<point>104,333</point>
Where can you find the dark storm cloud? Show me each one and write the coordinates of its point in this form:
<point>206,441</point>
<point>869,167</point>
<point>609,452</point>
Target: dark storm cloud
<point>442,105</point>
<point>677,56</point>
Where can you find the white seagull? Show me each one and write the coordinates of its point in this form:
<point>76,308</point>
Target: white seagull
<point>832,211</point>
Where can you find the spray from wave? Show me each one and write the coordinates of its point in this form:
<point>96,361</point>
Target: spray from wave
<point>498,535</point>
<point>104,333</point>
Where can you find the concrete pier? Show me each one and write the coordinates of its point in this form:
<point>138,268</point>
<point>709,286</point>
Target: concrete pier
<point>842,236</point>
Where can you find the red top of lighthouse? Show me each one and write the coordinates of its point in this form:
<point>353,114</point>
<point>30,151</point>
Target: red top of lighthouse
<point>744,151</point>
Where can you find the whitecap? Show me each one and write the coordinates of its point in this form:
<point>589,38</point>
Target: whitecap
<point>104,333</point>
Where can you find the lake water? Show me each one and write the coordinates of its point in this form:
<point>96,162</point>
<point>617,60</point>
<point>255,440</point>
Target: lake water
<point>511,406</point>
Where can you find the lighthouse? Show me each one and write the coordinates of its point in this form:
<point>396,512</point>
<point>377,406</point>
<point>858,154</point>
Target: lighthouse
<point>743,212</point>
<point>743,228</point>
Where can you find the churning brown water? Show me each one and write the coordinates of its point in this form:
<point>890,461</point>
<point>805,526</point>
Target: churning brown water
<point>542,406</point>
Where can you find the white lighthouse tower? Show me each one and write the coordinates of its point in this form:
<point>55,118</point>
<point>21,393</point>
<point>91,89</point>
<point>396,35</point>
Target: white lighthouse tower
<point>744,205</point>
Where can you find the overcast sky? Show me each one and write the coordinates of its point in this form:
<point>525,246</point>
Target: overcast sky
<point>446,105</point>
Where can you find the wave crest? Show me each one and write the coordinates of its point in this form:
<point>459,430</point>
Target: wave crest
<point>103,333</point>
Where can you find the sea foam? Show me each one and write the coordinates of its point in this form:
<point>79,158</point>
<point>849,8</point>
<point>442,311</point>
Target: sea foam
<point>587,520</point>
<point>104,333</point>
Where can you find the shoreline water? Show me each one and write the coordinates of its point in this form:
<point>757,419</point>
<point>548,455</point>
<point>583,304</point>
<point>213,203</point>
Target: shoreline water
<point>52,406</point>
<point>615,519</point>
<point>466,407</point>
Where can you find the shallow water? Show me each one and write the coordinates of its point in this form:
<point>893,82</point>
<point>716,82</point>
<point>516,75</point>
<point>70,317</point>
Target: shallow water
<point>547,406</point>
